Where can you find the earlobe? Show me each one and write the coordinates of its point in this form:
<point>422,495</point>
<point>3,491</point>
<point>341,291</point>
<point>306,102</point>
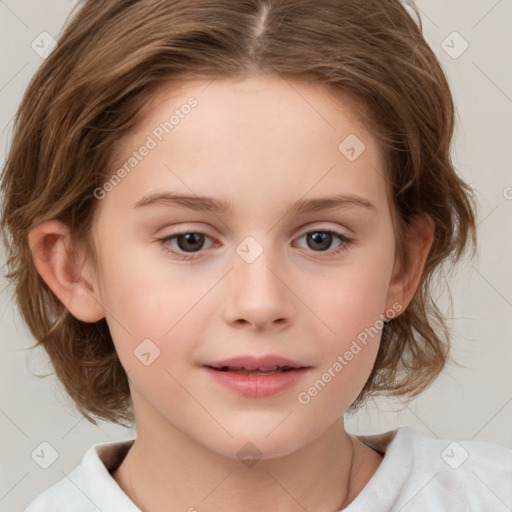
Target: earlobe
<point>405,281</point>
<point>61,269</point>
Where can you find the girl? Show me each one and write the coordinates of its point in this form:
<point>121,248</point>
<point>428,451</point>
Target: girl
<point>222,218</point>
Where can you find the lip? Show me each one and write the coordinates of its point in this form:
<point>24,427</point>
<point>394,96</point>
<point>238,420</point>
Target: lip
<point>254,362</point>
<point>256,384</point>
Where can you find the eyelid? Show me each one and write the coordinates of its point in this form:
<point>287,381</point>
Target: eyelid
<point>183,228</point>
<point>345,242</point>
<point>301,231</point>
<point>321,226</point>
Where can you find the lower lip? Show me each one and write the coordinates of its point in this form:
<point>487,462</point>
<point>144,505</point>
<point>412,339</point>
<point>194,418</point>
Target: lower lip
<point>257,385</point>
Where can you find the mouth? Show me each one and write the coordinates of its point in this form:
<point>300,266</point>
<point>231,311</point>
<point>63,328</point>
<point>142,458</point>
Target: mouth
<point>249,365</point>
<point>254,371</point>
<point>255,376</point>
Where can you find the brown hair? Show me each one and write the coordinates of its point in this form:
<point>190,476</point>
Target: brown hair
<point>111,58</point>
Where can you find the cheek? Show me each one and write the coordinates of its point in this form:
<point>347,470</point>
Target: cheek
<point>347,361</point>
<point>351,310</point>
<point>153,312</point>
<point>351,301</point>
<point>142,294</point>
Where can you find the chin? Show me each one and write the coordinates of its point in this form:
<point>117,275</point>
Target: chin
<point>252,443</point>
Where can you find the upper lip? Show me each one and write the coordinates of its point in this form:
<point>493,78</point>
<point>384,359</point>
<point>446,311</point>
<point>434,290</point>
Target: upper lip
<point>249,362</point>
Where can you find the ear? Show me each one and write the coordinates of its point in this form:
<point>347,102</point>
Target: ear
<point>406,278</point>
<point>63,271</point>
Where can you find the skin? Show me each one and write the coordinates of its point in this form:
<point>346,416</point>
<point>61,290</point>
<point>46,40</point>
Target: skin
<point>260,144</point>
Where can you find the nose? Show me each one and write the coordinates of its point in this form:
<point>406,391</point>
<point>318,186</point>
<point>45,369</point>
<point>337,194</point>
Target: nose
<point>259,294</point>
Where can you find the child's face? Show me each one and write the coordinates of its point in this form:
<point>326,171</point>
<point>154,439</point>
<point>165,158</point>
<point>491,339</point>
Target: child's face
<point>260,145</point>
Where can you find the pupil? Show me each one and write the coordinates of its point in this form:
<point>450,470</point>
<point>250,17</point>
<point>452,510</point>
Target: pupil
<point>322,238</point>
<point>194,241</point>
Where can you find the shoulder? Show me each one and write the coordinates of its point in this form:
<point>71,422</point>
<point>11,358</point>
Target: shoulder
<point>468,455</point>
<point>424,473</point>
<point>468,471</point>
<point>90,486</point>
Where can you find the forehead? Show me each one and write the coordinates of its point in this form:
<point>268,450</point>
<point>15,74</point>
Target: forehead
<point>264,133</point>
<point>241,92</point>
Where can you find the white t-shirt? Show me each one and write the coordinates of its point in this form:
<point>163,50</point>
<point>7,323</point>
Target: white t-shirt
<point>417,474</point>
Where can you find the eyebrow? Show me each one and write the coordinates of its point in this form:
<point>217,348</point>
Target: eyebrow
<point>203,203</point>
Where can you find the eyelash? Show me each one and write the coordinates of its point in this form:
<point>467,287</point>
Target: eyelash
<point>164,242</point>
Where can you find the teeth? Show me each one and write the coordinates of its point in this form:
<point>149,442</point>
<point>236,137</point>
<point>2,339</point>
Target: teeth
<point>262,370</point>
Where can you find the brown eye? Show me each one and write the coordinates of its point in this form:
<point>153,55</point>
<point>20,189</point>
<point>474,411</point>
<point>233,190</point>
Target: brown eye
<point>186,245</point>
<point>190,242</point>
<point>319,240</point>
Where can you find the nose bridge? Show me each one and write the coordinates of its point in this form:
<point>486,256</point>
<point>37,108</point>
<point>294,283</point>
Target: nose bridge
<point>257,265</point>
<point>258,293</point>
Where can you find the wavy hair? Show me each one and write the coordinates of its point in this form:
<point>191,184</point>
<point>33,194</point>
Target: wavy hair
<point>114,54</point>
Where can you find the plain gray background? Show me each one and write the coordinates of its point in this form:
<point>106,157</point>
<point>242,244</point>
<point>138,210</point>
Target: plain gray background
<point>473,401</point>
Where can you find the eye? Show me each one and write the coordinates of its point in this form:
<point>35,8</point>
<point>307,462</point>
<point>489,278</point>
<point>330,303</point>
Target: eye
<point>187,242</point>
<point>321,241</point>
<point>187,245</point>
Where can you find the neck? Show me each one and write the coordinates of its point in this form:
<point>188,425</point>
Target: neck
<point>169,471</point>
